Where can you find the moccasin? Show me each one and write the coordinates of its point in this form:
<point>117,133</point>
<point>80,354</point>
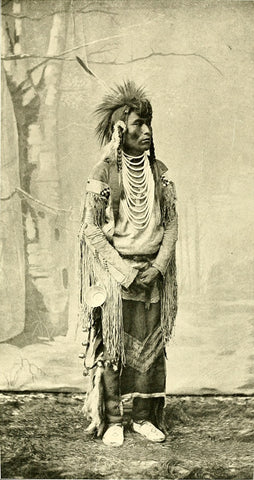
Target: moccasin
<point>149,431</point>
<point>114,435</point>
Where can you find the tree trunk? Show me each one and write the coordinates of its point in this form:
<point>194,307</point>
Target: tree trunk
<point>35,106</point>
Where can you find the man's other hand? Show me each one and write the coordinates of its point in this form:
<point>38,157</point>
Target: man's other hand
<point>148,276</point>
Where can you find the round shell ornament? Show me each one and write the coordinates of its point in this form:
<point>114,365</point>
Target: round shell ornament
<point>95,296</point>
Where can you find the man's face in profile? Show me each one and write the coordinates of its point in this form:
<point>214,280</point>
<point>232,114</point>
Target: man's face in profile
<point>138,135</point>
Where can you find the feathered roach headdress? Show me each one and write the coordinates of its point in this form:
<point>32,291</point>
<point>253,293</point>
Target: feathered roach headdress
<point>118,104</point>
<point>114,111</point>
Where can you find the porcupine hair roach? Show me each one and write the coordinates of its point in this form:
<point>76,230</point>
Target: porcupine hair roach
<point>117,105</point>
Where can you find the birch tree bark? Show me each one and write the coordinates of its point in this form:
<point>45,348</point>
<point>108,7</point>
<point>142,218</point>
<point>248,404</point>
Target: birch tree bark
<point>35,101</point>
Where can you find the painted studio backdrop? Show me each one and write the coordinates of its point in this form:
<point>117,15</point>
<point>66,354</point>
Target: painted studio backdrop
<point>195,59</point>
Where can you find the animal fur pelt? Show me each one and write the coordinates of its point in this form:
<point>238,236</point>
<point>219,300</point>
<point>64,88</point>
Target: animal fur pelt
<point>94,407</point>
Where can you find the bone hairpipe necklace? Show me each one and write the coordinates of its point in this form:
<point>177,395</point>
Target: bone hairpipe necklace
<point>139,190</point>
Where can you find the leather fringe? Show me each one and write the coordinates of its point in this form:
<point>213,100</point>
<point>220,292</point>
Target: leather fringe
<point>167,204</point>
<point>169,284</point>
<point>97,208</point>
<point>169,300</point>
<point>94,271</point>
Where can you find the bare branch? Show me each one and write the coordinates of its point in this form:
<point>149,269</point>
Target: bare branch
<point>110,62</point>
<point>94,42</point>
<point>8,197</point>
<point>24,56</point>
<point>97,10</point>
<point>88,44</point>
<point>58,56</point>
<point>46,15</point>
<point>21,17</point>
<point>159,54</point>
<point>23,194</point>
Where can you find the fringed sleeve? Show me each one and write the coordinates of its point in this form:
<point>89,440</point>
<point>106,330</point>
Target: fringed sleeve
<point>165,261</point>
<point>101,264</point>
<point>170,222</point>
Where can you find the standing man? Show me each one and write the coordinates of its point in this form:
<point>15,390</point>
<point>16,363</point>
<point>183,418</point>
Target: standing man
<point>128,237</point>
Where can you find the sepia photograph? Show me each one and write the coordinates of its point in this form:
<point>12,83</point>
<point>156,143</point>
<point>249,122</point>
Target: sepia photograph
<point>127,239</point>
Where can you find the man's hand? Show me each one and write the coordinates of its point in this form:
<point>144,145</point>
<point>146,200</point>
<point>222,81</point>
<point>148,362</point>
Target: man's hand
<point>144,279</point>
<point>148,276</point>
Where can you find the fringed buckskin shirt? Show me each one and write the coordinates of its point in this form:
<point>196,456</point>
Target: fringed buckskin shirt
<point>110,249</point>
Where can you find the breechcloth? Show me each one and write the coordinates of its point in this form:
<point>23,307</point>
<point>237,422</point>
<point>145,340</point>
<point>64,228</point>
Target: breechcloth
<point>143,376</point>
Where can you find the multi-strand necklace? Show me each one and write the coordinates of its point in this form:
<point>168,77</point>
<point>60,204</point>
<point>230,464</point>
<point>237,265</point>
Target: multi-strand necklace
<point>138,187</point>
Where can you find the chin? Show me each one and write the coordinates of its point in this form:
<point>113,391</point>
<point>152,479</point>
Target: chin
<point>144,148</point>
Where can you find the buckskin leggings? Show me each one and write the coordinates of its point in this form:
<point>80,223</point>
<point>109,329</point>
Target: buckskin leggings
<point>146,384</point>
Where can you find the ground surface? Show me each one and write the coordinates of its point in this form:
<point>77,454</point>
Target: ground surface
<point>209,437</point>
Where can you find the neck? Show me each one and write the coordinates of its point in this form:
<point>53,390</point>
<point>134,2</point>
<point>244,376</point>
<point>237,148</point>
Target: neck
<point>134,157</point>
<point>134,160</point>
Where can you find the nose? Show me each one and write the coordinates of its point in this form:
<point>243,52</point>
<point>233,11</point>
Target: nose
<point>146,129</point>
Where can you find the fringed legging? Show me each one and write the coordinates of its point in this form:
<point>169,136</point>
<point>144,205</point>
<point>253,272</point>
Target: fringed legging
<point>146,385</point>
